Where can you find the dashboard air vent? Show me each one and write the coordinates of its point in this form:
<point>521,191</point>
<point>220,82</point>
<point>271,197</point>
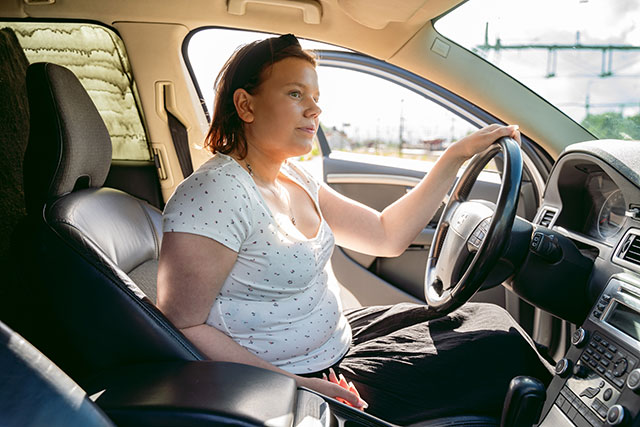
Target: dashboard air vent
<point>546,217</point>
<point>631,249</point>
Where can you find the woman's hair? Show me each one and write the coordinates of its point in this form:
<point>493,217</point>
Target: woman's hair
<point>245,70</point>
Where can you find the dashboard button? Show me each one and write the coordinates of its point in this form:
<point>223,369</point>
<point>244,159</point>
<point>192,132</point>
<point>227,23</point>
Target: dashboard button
<point>620,367</point>
<point>607,394</point>
<point>579,337</point>
<point>633,381</point>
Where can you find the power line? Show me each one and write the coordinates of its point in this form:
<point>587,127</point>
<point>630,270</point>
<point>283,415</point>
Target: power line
<point>553,48</point>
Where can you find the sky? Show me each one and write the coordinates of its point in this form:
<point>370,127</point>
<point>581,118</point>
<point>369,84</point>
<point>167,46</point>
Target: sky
<point>576,78</point>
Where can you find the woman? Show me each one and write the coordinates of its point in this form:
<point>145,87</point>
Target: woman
<point>248,236</point>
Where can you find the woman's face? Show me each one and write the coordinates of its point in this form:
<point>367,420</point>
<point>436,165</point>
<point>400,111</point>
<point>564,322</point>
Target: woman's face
<point>284,110</point>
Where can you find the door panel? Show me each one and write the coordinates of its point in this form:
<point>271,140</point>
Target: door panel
<point>378,186</point>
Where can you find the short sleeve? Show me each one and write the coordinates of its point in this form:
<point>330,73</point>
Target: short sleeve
<point>212,203</point>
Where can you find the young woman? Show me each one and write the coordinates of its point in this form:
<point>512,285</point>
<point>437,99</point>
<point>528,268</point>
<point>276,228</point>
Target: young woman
<point>247,240</point>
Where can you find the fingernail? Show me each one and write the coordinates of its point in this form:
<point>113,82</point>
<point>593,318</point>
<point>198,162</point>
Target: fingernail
<point>362,404</point>
<point>324,376</point>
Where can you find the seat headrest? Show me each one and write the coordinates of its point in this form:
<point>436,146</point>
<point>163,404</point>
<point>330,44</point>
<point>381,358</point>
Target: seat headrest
<point>69,146</point>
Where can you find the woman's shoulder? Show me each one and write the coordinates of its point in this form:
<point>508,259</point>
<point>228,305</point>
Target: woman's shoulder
<point>300,174</point>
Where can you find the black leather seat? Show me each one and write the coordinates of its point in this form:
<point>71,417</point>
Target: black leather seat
<point>95,249</point>
<point>35,392</point>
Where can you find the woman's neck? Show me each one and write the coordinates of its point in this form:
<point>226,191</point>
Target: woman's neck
<point>260,166</point>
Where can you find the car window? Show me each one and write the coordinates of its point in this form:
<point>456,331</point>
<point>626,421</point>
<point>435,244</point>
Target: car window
<point>582,56</point>
<point>361,113</point>
<point>367,114</point>
<point>96,55</point>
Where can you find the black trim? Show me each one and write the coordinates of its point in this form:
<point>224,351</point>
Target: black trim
<point>180,138</point>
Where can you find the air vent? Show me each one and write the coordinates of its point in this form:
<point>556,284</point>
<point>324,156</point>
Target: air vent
<point>546,217</point>
<point>630,251</point>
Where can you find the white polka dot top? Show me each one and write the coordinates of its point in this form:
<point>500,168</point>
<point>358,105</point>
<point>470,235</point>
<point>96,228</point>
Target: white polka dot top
<point>278,301</point>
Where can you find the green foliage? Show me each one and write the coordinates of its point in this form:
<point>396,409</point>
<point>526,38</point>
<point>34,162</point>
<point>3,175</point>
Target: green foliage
<point>613,125</point>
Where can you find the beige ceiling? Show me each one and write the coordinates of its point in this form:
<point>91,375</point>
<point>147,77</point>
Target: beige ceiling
<point>377,27</point>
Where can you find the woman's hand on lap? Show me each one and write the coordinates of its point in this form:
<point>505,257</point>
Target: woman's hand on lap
<point>345,393</point>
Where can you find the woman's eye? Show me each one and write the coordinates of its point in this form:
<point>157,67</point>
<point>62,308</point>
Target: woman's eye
<point>295,94</point>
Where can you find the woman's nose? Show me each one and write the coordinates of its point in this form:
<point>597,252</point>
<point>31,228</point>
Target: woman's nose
<point>313,109</point>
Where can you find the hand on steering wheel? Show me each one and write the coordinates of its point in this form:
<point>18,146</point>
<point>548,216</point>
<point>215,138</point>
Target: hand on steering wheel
<point>471,236</point>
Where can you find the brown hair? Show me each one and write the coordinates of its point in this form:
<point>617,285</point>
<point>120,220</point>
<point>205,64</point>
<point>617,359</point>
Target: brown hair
<point>244,70</point>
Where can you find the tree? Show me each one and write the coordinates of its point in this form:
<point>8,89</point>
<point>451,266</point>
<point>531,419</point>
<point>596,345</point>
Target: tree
<point>613,125</point>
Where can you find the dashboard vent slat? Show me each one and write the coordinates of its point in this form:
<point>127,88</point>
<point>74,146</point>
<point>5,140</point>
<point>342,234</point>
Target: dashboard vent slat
<point>632,254</point>
<point>547,217</point>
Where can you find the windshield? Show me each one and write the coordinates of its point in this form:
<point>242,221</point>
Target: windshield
<point>583,56</point>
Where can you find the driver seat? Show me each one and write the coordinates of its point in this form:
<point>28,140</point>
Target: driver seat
<point>94,246</point>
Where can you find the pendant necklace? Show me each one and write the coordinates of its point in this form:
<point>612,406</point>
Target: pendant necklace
<point>278,196</point>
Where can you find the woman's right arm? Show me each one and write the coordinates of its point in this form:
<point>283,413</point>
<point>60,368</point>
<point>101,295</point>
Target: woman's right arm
<point>191,272</point>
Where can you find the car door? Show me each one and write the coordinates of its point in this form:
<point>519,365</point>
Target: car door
<point>382,129</point>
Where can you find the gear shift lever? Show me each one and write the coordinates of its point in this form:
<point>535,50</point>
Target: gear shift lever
<point>523,402</point>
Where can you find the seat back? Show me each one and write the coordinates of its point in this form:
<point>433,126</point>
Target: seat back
<point>92,245</point>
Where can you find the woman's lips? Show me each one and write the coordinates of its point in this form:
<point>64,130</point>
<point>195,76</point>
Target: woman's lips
<point>309,130</point>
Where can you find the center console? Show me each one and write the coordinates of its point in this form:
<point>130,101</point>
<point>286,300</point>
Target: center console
<point>598,381</point>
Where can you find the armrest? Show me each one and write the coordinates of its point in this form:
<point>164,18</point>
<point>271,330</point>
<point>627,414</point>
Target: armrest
<point>196,393</point>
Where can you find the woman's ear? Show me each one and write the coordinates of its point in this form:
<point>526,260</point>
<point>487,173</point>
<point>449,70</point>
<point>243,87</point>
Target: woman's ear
<point>243,103</point>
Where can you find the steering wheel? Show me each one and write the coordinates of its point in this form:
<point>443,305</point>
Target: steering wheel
<point>471,235</point>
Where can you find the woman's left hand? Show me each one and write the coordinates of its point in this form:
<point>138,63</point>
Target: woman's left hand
<point>481,139</point>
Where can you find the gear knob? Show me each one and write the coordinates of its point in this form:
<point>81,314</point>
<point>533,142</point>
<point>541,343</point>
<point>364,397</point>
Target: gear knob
<point>523,402</point>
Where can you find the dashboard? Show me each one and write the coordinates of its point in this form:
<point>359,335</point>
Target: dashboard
<point>591,203</point>
<point>591,198</point>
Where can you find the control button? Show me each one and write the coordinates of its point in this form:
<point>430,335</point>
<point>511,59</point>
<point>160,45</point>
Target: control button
<point>601,384</point>
<point>600,369</point>
<point>615,415</point>
<point>633,381</point>
<point>593,363</point>
<point>600,349</point>
<point>560,400</point>
<point>597,356</point>
<point>608,355</point>
<point>589,350</point>
<point>604,343</point>
<point>609,375</point>
<point>597,314</point>
<point>613,348</point>
<point>563,367</point>
<point>606,297</point>
<point>620,367</point>
<point>593,343</point>
<point>601,307</point>
<point>579,337</point>
<point>596,338</point>
<point>618,382</point>
<point>590,392</point>
<point>607,394</point>
<point>605,363</point>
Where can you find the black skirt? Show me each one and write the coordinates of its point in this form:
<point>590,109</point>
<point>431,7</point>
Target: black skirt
<point>410,366</point>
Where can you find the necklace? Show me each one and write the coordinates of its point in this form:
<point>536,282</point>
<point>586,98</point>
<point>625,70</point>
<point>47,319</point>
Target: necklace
<point>278,195</point>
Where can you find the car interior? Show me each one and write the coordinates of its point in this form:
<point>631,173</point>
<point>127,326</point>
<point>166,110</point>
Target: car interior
<point>103,116</point>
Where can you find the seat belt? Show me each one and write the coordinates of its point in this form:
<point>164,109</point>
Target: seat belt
<point>180,139</point>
